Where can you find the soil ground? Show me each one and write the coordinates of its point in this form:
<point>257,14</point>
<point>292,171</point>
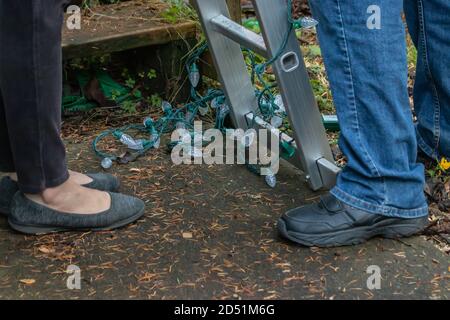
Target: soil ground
<point>209,233</point>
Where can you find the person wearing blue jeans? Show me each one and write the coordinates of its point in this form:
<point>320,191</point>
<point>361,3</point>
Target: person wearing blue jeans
<point>380,190</point>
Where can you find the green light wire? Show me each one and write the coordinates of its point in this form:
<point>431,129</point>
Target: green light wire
<point>265,97</point>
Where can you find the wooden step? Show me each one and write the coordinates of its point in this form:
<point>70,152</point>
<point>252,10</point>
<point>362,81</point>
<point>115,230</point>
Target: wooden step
<point>123,26</point>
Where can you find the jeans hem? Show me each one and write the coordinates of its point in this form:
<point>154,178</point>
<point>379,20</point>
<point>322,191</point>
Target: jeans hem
<point>377,209</point>
<point>48,184</point>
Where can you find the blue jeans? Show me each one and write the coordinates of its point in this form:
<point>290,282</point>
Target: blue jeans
<point>364,48</point>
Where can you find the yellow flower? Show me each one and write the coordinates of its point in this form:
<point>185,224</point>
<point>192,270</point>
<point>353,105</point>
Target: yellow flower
<point>444,164</point>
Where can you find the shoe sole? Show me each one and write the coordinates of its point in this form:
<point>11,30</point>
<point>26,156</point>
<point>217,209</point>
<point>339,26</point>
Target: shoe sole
<point>351,237</point>
<point>41,230</point>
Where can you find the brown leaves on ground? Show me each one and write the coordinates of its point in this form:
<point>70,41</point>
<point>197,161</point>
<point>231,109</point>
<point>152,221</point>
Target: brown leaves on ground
<point>437,190</point>
<point>27,281</point>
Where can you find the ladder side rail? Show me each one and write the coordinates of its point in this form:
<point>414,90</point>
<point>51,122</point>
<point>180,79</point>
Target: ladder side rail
<point>297,93</point>
<point>229,62</point>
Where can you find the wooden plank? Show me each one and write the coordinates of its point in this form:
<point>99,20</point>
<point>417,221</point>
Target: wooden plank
<point>140,39</point>
<point>123,26</point>
<point>85,45</point>
<point>235,10</point>
<point>131,25</point>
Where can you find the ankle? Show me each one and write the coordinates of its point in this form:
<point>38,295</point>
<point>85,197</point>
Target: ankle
<point>56,195</point>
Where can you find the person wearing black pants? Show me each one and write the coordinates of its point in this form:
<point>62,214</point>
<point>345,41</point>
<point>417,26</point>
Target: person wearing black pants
<point>39,194</point>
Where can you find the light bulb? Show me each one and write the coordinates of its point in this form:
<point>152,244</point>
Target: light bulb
<point>166,107</point>
<point>106,163</point>
<point>271,180</point>
<point>308,22</point>
<point>194,75</point>
<point>276,122</point>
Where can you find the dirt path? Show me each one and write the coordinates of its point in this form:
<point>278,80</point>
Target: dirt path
<point>209,233</point>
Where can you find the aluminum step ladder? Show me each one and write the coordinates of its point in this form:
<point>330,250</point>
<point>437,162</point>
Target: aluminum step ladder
<point>225,38</point>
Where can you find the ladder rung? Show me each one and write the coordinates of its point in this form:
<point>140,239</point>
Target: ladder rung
<point>234,31</point>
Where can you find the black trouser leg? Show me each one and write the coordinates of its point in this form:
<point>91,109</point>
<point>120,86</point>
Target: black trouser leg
<point>31,88</point>
<point>6,157</point>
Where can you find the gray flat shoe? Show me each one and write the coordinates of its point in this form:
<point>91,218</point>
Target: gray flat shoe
<point>100,181</point>
<point>8,189</point>
<point>103,182</point>
<point>30,217</point>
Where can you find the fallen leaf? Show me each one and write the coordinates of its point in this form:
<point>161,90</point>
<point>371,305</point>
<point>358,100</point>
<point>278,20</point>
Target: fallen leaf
<point>187,235</point>
<point>27,281</point>
<point>45,249</point>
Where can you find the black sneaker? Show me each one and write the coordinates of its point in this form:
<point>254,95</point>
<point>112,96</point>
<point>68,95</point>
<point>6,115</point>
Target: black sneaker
<point>331,223</point>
